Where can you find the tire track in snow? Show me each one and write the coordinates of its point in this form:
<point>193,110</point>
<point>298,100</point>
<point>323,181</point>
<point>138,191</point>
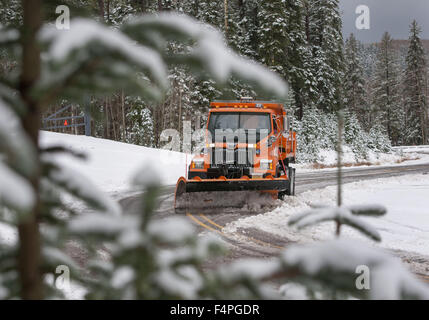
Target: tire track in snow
<point>253,242</point>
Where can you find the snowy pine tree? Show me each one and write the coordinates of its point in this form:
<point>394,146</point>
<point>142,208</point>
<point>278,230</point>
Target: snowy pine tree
<point>273,35</point>
<point>378,140</point>
<point>354,83</point>
<point>139,115</point>
<point>248,28</point>
<point>91,58</point>
<point>415,90</point>
<point>147,258</point>
<point>324,30</point>
<point>355,136</point>
<point>387,101</point>
<point>10,12</point>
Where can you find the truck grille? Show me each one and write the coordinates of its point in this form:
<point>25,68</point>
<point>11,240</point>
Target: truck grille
<point>242,157</point>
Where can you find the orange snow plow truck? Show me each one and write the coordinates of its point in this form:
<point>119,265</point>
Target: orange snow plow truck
<point>248,148</point>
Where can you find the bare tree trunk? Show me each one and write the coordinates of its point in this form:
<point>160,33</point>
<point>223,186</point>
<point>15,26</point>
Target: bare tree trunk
<point>108,11</point>
<point>427,104</point>
<point>424,121</point>
<point>143,5</point>
<point>241,9</point>
<point>101,8</point>
<point>28,229</point>
<point>106,118</point>
<point>162,116</point>
<point>124,128</point>
<point>115,137</point>
<point>307,22</point>
<point>225,6</point>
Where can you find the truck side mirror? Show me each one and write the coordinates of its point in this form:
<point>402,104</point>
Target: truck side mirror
<point>287,124</point>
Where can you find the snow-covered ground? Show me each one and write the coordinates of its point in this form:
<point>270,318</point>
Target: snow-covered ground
<point>413,148</point>
<point>111,165</point>
<point>405,226</point>
<point>328,159</point>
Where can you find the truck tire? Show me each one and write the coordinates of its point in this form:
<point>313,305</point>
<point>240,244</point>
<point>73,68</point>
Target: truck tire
<point>291,175</point>
<point>291,190</point>
<point>281,195</point>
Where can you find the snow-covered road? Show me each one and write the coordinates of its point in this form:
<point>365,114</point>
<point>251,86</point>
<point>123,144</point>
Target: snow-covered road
<point>405,227</point>
<point>261,234</point>
<point>111,165</point>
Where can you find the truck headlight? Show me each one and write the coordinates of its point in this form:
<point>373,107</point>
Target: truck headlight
<point>197,164</point>
<point>266,164</point>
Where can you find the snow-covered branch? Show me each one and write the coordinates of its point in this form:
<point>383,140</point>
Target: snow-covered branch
<point>209,49</point>
<point>17,147</point>
<point>340,215</point>
<point>334,263</point>
<point>76,184</point>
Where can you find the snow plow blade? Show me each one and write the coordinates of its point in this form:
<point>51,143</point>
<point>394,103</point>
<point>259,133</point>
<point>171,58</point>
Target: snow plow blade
<point>226,193</point>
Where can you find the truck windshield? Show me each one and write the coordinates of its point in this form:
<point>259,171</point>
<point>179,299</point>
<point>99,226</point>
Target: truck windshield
<point>240,120</point>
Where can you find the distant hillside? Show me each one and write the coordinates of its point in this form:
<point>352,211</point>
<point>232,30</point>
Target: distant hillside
<point>404,43</point>
<point>401,44</point>
<point>368,54</point>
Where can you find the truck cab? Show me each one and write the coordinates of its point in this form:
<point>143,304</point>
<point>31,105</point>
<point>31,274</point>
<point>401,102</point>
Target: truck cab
<point>245,139</point>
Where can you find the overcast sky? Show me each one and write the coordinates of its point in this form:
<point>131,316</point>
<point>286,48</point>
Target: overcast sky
<point>393,16</point>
